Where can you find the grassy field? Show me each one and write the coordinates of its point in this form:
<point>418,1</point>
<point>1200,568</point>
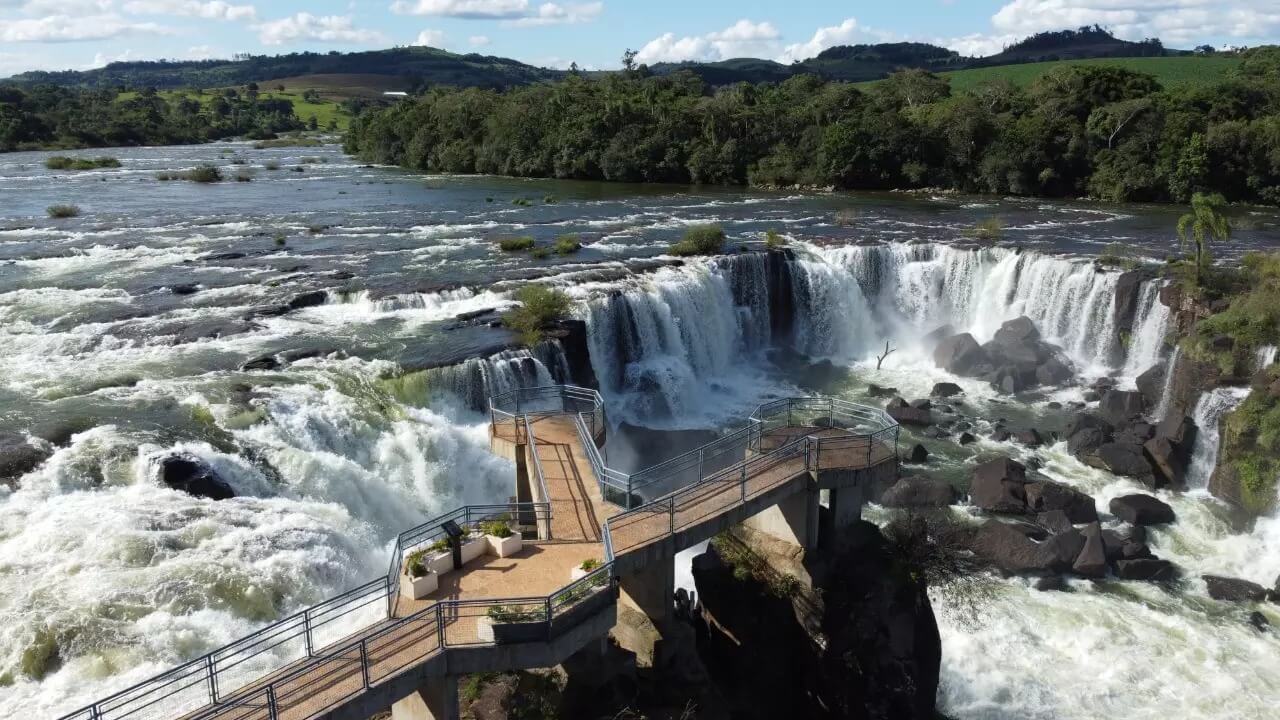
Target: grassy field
<point>1171,72</point>
<point>325,110</point>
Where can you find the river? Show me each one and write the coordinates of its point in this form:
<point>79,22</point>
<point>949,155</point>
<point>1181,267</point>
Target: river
<point>124,331</point>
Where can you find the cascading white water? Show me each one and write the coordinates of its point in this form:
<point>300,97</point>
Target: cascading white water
<point>476,380</point>
<point>914,288</point>
<point>1150,326</point>
<point>1162,407</point>
<point>1264,356</point>
<point>1208,412</point>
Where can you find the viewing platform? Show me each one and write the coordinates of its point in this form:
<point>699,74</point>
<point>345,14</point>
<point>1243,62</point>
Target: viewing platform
<point>530,582</point>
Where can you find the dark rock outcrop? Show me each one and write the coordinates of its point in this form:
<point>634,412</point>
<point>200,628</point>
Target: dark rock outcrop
<point>1234,589</point>
<point>1119,407</point>
<point>919,492</point>
<point>191,475</point>
<point>1151,384</point>
<point>901,411</point>
<point>18,457</point>
<point>1092,560</point>
<point>1141,510</point>
<point>999,486</point>
<point>946,389</point>
<point>919,454</point>
<point>1047,496</point>
<point>959,354</point>
<point>308,299</point>
<point>1146,569</point>
<point>1015,359</point>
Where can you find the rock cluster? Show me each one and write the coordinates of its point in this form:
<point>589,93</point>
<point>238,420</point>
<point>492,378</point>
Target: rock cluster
<point>190,474</point>
<point>1046,539</point>
<point>1015,360</point>
<point>1117,438</point>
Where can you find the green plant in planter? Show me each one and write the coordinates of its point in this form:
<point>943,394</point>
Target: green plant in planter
<point>515,614</point>
<point>416,564</point>
<point>589,564</point>
<point>496,528</point>
<point>439,546</point>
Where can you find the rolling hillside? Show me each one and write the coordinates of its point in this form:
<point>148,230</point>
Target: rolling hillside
<point>1170,72</point>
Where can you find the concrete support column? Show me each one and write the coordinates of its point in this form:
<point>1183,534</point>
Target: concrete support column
<point>435,699</point>
<point>651,589</point>
<point>793,520</point>
<point>846,506</point>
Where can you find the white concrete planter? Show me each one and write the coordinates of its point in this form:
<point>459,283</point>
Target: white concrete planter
<point>484,629</point>
<point>441,562</point>
<point>504,547</point>
<point>420,587</point>
<point>473,547</point>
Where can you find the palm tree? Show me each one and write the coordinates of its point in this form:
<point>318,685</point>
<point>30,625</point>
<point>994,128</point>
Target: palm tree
<point>1205,222</point>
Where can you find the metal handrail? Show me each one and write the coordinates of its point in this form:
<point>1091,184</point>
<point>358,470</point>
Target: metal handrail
<point>537,461</point>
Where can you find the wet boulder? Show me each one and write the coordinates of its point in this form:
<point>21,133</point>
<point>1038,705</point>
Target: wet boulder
<point>1055,521</point>
<point>946,389</point>
<point>1017,331</point>
<point>1029,437</point>
<point>919,454</point>
<point>1151,384</point>
<point>1086,442</point>
<point>959,354</point>
<point>967,438</point>
<point>189,474</point>
<point>1060,551</point>
<point>1053,372</point>
<point>1152,569</point>
<point>1234,589</point>
<point>1141,509</point>
<point>1046,496</point>
<point>1007,548</point>
<point>919,492</point>
<point>1122,459</point>
<point>18,457</point>
<point>1092,559</point>
<point>308,299</point>
<point>937,335</point>
<point>1000,486</point>
<point>266,362</point>
<point>905,414</point>
<point>1167,461</point>
<point>876,391</point>
<point>1119,406</point>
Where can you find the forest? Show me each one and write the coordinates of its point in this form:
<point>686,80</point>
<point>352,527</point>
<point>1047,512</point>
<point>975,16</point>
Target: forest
<point>1103,132</point>
<point>46,116</point>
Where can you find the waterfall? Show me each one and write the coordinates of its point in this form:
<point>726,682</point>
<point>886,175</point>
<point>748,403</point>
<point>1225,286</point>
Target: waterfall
<point>475,380</point>
<point>1162,407</point>
<point>914,288</point>
<point>1264,356</point>
<point>1209,411</point>
<point>1150,325</point>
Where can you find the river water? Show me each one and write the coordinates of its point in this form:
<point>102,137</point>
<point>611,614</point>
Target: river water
<point>123,331</point>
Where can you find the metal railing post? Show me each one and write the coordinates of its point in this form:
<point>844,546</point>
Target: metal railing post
<point>272,710</point>
<point>701,458</point>
<point>672,513</point>
<point>440,625</point>
<point>306,631</point>
<point>364,662</point>
<point>212,675</point>
<point>742,483</point>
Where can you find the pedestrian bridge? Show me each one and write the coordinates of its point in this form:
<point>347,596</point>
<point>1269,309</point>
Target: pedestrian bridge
<point>592,535</point>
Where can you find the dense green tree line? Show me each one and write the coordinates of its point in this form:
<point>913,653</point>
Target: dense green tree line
<point>1079,130</point>
<point>48,116</point>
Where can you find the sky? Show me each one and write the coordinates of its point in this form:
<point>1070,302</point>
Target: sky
<point>83,34</point>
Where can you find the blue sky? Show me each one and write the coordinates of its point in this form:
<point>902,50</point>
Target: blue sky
<point>79,34</point>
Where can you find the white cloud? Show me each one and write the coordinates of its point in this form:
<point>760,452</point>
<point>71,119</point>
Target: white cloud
<point>211,10</point>
<point>102,60</point>
<point>204,52</point>
<point>825,37</point>
<point>486,9</point>
<point>556,14</point>
<point>478,40</point>
<point>1174,21</point>
<point>741,39</point>
<point>305,26</point>
<point>430,38</point>
<point>979,45</point>
<point>65,28</point>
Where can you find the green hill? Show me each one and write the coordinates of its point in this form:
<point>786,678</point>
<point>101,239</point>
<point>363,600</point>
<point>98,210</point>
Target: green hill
<point>1170,72</point>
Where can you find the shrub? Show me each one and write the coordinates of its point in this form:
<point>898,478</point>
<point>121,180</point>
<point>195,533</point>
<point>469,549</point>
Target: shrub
<point>439,546</point>
<point>62,162</point>
<point>774,239</point>
<point>63,211</point>
<point>568,244</point>
<point>205,174</point>
<point>516,243</point>
<point>496,528</point>
<point>700,240</point>
<point>244,176</point>
<point>415,564</point>
<point>522,202</point>
<point>287,142</point>
<point>540,253</point>
<point>589,564</point>
<point>271,165</point>
<point>550,200</point>
<point>1119,255</point>
<point>539,306</point>
<point>515,613</point>
<point>299,168</point>
<point>988,229</point>
<point>280,239</point>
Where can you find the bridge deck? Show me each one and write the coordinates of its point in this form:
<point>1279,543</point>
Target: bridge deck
<point>539,569</point>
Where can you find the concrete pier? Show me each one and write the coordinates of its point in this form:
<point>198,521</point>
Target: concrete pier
<point>435,699</point>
